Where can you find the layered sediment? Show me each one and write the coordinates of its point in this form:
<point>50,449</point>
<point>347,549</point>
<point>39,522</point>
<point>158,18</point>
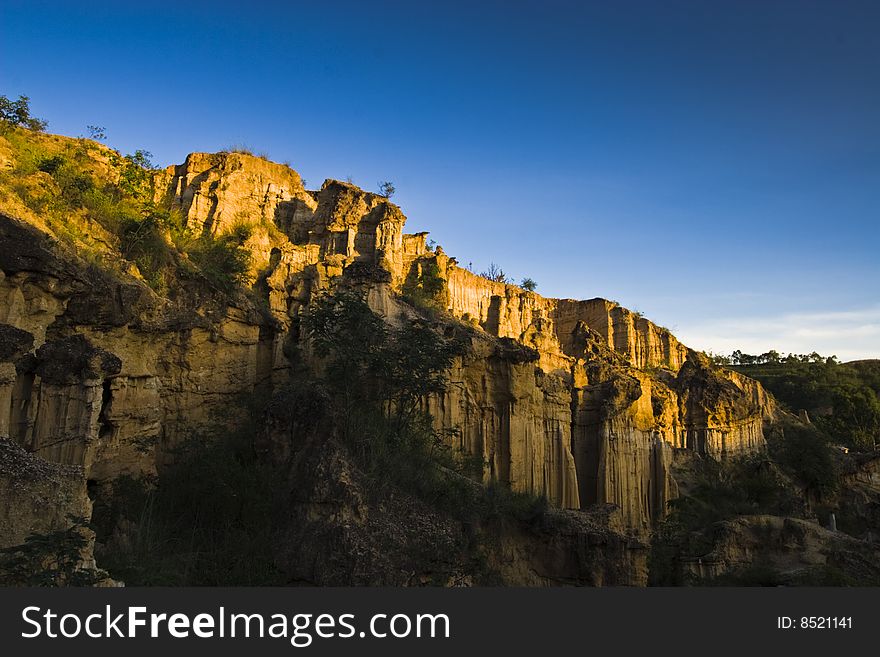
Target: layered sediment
<point>583,402</point>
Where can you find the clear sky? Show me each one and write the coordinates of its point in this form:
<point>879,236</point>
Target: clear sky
<point>715,165</point>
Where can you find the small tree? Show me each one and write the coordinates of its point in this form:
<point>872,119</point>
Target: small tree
<point>18,113</point>
<point>374,368</point>
<point>528,284</point>
<point>141,158</point>
<point>387,189</point>
<point>494,273</point>
<point>134,176</point>
<point>96,132</point>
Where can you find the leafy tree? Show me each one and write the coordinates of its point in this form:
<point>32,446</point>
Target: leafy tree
<point>142,239</point>
<point>719,359</point>
<point>416,360</point>
<point>528,284</point>
<point>772,357</point>
<point>18,113</point>
<point>378,377</point>
<point>134,175</point>
<point>349,336</point>
<point>370,364</point>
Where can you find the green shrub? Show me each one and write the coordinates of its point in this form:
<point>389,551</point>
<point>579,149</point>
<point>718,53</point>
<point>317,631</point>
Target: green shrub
<point>135,176</point>
<point>49,559</point>
<point>424,287</point>
<point>223,260</point>
<point>50,164</point>
<point>75,184</point>
<point>499,501</point>
<point>28,155</point>
<point>378,378</point>
<point>109,209</point>
<point>142,241</point>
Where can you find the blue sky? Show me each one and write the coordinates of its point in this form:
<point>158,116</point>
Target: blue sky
<point>715,165</point>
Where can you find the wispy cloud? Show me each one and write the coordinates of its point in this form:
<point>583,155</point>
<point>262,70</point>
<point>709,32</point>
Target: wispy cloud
<point>849,334</point>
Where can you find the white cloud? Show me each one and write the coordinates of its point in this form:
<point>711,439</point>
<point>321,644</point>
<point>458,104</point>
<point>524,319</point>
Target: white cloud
<point>850,335</point>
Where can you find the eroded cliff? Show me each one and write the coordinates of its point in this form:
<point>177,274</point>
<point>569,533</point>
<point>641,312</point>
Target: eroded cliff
<point>583,402</point>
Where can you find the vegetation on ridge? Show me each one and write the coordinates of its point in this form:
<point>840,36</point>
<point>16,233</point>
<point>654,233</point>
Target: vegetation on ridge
<point>842,400</point>
<point>17,113</point>
<point>91,196</point>
<point>360,386</point>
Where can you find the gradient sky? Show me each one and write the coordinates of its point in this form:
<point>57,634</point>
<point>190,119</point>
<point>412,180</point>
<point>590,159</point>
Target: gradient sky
<point>715,165</point>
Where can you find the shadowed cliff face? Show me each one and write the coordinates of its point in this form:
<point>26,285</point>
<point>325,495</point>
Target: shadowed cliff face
<point>583,402</point>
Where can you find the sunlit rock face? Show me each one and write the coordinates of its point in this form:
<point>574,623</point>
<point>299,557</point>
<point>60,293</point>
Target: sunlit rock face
<point>584,402</point>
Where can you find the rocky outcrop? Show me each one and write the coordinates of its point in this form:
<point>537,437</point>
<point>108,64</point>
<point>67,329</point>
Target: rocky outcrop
<point>568,548</point>
<point>38,496</point>
<point>217,193</point>
<point>553,325</point>
<point>106,374</point>
<point>58,418</point>
<point>642,343</point>
<point>339,533</point>
<point>784,551</point>
<point>43,536</point>
<point>724,410</point>
<point>514,416</point>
